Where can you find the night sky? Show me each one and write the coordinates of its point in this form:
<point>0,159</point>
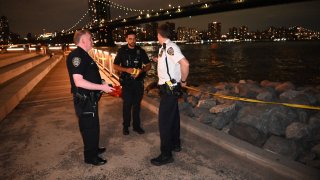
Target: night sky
<point>35,15</point>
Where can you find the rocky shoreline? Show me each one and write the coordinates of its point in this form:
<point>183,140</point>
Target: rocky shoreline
<point>290,131</point>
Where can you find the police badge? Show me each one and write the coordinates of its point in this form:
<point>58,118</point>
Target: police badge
<point>170,51</point>
<point>76,61</point>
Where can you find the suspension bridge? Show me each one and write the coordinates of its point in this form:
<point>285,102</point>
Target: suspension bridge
<point>102,29</point>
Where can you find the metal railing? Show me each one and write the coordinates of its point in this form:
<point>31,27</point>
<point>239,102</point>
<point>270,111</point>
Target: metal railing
<point>105,59</point>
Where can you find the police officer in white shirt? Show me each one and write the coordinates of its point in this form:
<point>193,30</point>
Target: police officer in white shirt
<point>173,70</point>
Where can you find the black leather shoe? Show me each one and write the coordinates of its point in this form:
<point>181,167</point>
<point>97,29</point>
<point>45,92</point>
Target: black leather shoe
<point>139,130</point>
<point>97,161</point>
<point>176,148</point>
<point>101,150</point>
<point>161,160</point>
<point>125,131</point>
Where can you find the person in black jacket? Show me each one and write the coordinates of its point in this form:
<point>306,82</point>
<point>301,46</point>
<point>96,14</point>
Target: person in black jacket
<point>86,87</point>
<point>133,63</point>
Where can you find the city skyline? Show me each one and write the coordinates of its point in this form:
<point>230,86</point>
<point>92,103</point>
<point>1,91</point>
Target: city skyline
<point>294,14</point>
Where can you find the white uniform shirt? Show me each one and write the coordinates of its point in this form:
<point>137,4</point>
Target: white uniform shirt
<point>174,55</point>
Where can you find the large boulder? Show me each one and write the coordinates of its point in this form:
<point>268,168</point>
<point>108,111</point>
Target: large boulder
<point>282,146</point>
<point>297,131</point>
<point>316,150</point>
<point>267,118</point>
<point>248,133</point>
<point>207,103</point>
<point>267,83</point>
<point>192,100</point>
<point>279,118</point>
<point>222,108</point>
<point>268,94</point>
<point>285,87</point>
<point>224,118</point>
<point>248,90</point>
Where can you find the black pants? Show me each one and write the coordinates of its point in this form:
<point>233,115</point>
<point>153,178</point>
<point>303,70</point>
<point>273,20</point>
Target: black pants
<point>132,93</point>
<point>169,123</point>
<point>89,128</point>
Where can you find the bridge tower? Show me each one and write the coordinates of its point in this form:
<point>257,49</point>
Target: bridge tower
<point>99,11</point>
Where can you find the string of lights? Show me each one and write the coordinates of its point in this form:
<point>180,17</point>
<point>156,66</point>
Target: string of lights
<point>77,23</point>
<point>132,11</point>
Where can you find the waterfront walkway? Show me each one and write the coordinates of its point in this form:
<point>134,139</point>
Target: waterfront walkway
<point>40,139</point>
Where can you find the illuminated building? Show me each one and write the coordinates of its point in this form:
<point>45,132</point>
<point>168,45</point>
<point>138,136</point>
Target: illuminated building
<point>214,30</point>
<point>4,30</point>
<point>243,32</point>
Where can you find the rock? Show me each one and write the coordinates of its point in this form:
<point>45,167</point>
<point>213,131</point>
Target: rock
<point>248,134</point>
<point>151,85</point>
<point>222,108</point>
<point>303,115</point>
<point>266,96</point>
<point>207,104</point>
<point>314,164</point>
<point>282,146</point>
<point>200,112</point>
<point>307,157</point>
<point>280,118</point>
<point>267,118</point>
<point>248,90</point>
<point>297,131</point>
<point>223,119</point>
<point>153,93</point>
<point>285,87</point>
<point>207,118</point>
<point>192,100</point>
<point>315,119</point>
<point>288,95</point>
<point>221,86</point>
<point>266,83</point>
<point>316,150</point>
<point>196,94</point>
<point>187,109</point>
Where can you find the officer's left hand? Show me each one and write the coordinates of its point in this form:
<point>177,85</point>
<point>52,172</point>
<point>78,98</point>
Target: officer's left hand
<point>183,84</point>
<point>138,72</point>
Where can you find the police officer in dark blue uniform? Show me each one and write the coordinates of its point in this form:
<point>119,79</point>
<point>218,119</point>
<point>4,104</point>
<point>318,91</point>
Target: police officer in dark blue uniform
<point>133,63</point>
<point>86,87</point>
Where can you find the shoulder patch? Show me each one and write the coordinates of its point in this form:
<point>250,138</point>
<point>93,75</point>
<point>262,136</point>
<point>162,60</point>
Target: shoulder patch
<point>170,51</point>
<point>76,61</point>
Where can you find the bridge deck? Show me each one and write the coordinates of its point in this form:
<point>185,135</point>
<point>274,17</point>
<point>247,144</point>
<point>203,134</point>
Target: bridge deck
<point>40,139</point>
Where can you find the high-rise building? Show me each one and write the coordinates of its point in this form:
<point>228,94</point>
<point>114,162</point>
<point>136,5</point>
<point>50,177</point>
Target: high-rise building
<point>243,32</point>
<point>233,33</point>
<point>99,11</point>
<point>187,34</point>
<point>4,30</point>
<point>182,33</point>
<point>151,31</point>
<point>214,30</point>
<point>172,28</point>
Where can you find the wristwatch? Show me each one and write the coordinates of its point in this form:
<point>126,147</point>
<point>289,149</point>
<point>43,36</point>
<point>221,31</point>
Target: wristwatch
<point>183,81</point>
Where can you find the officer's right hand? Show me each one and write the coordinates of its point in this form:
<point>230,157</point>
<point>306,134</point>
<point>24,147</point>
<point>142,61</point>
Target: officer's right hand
<point>107,88</point>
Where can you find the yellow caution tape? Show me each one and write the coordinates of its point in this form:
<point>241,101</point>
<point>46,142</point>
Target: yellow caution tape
<point>255,100</point>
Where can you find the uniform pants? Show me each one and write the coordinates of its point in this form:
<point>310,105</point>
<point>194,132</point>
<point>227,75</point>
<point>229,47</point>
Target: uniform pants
<point>169,123</point>
<point>132,93</point>
<point>90,131</point>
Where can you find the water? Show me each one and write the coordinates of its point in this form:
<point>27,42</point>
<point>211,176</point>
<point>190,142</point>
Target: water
<point>298,62</point>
